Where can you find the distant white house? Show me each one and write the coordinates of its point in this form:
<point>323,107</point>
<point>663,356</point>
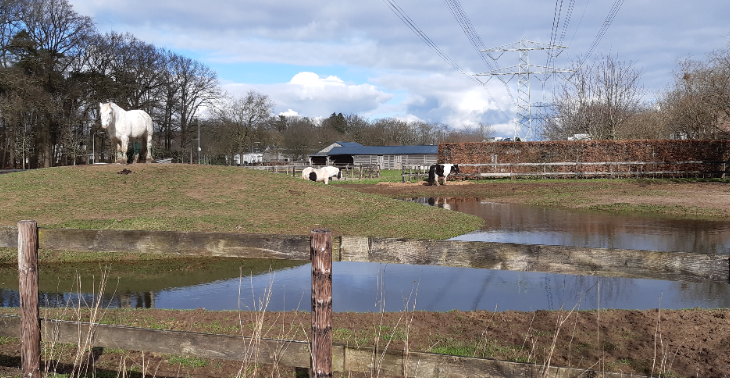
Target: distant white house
<point>249,158</point>
<point>580,137</point>
<point>501,139</point>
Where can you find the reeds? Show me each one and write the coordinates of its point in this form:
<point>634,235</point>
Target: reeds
<point>85,355</point>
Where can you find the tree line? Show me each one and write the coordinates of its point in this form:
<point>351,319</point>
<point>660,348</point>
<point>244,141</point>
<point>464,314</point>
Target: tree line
<point>56,67</point>
<point>605,100</point>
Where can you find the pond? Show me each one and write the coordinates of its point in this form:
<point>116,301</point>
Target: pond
<point>515,223</point>
<point>251,285</point>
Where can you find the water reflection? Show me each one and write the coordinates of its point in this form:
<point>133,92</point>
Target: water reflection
<point>372,286</point>
<point>514,223</point>
<point>226,284</point>
<point>11,298</point>
<point>133,284</point>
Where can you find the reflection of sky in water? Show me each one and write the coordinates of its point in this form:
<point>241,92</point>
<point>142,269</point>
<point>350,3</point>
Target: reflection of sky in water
<point>360,287</point>
<point>366,286</point>
<point>514,223</point>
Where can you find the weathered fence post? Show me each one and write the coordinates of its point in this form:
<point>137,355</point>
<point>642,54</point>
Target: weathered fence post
<point>321,348</point>
<point>30,329</point>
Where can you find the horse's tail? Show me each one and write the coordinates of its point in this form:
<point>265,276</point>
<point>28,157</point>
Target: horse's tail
<point>432,175</point>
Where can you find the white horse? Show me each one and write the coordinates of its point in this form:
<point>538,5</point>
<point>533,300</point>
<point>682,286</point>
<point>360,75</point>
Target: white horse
<point>321,174</point>
<point>124,126</point>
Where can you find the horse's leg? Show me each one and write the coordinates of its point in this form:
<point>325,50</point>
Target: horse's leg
<point>135,152</point>
<point>142,151</point>
<point>122,152</point>
<point>148,150</point>
<point>117,157</point>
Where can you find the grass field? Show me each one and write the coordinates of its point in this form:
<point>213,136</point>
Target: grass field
<point>212,198</point>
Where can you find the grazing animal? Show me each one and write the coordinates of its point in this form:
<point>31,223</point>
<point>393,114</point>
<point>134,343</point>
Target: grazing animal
<point>306,172</point>
<point>323,174</point>
<point>125,126</point>
<point>441,171</point>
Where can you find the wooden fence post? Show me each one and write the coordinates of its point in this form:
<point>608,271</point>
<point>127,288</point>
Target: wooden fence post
<point>321,348</point>
<point>30,329</point>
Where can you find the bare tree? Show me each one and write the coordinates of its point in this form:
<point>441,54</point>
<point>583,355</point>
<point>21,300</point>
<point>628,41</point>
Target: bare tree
<point>9,26</point>
<point>300,138</point>
<point>698,104</point>
<point>244,119</point>
<point>478,133</point>
<point>53,37</point>
<point>596,99</point>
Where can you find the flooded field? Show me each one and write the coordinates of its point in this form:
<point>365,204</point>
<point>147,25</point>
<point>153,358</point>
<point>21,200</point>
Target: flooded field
<point>230,284</point>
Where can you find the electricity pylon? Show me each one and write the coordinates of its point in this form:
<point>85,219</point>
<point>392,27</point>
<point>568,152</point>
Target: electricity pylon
<point>523,70</point>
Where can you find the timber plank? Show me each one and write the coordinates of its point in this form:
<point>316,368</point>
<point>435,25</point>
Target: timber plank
<point>8,237</point>
<point>236,348</point>
<point>287,353</point>
<point>674,266</point>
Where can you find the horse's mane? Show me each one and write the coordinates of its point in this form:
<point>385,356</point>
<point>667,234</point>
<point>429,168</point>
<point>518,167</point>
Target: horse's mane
<point>115,107</point>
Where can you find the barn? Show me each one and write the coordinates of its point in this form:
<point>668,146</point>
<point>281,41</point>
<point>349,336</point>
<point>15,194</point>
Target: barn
<point>386,157</point>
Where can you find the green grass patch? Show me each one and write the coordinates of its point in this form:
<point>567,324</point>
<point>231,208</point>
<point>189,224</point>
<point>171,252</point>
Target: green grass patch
<point>486,348</point>
<point>684,212</point>
<point>386,175</point>
<point>187,361</point>
<point>178,197</point>
<point>5,340</point>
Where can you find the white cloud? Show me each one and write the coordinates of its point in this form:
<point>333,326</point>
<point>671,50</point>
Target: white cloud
<point>310,95</point>
<point>410,80</point>
<point>289,113</point>
<point>448,98</point>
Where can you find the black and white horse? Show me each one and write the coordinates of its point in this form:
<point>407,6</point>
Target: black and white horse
<point>323,174</point>
<point>441,171</point>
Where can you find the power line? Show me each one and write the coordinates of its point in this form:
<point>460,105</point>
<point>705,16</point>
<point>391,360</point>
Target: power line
<point>412,25</point>
<point>461,17</point>
<point>568,16</point>
<point>609,19</point>
<point>556,24</point>
<point>580,21</point>
<point>523,70</point>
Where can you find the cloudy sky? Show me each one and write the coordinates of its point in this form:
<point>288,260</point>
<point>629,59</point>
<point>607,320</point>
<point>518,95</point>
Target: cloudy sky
<point>317,57</point>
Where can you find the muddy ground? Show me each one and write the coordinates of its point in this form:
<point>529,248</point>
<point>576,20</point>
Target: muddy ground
<point>668,343</point>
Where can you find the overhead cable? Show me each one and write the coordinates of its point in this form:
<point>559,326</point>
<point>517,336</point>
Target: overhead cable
<point>412,25</point>
<point>458,12</point>
<point>609,19</point>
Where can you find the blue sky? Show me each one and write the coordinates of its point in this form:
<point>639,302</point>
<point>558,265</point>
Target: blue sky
<point>317,57</point>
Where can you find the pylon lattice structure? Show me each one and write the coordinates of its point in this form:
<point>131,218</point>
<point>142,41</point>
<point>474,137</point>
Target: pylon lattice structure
<point>523,70</point>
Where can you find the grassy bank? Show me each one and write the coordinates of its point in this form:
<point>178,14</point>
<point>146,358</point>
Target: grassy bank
<point>667,198</point>
<point>650,342</point>
<point>69,272</point>
<point>180,197</point>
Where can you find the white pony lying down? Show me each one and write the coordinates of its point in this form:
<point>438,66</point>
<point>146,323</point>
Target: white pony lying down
<point>321,174</point>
